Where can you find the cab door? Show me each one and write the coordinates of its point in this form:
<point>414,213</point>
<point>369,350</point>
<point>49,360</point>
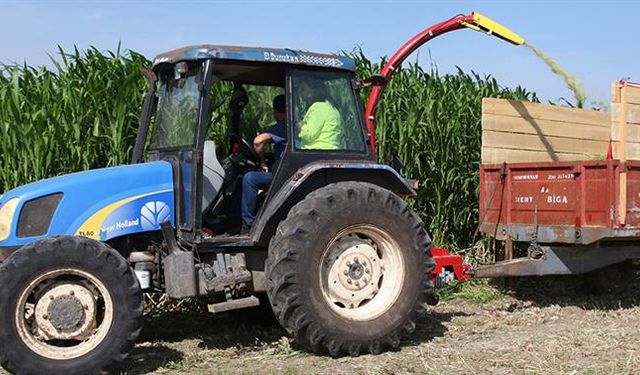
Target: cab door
<point>178,135</point>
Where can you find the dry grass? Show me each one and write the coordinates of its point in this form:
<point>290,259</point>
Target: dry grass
<point>541,326</point>
<point>545,326</point>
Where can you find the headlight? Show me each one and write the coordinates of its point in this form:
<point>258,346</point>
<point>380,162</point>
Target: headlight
<point>7,211</point>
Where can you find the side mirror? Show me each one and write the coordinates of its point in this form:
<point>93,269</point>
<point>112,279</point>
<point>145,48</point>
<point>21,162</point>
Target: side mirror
<point>151,78</point>
<point>180,69</point>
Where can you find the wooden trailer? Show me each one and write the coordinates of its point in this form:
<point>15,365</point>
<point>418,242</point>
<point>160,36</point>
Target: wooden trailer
<point>561,186</point>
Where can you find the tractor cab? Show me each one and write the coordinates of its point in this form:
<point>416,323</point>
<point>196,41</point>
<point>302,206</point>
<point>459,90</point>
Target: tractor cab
<point>205,105</point>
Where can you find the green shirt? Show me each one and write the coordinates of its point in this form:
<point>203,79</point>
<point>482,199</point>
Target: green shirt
<point>321,128</point>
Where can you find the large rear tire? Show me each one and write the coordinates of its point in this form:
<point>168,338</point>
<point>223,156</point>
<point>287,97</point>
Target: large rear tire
<point>349,269</point>
<point>68,305</point>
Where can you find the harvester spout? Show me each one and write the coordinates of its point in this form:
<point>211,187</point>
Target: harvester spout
<point>481,23</point>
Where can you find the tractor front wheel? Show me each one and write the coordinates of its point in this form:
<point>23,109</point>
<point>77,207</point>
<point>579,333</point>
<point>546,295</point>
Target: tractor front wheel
<point>348,269</point>
<point>67,305</point>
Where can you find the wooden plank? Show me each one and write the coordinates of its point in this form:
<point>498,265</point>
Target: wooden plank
<point>622,197</point>
<point>551,145</point>
<point>632,150</point>
<point>545,127</point>
<point>502,155</point>
<point>632,132</point>
<point>625,148</point>
<point>531,132</point>
<point>621,125</point>
<point>615,92</point>
<point>631,93</point>
<point>544,112</point>
<point>625,122</point>
<point>632,112</point>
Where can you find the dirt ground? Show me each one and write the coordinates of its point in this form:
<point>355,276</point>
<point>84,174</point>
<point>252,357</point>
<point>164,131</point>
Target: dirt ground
<point>542,326</point>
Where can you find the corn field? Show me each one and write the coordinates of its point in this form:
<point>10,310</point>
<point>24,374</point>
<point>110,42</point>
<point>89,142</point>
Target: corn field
<point>431,123</point>
<point>83,113</point>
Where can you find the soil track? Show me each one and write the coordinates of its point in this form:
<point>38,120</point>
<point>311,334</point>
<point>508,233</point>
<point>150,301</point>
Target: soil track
<point>545,326</point>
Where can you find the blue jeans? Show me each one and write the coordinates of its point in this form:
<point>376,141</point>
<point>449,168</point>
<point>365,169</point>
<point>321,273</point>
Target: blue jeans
<point>251,183</point>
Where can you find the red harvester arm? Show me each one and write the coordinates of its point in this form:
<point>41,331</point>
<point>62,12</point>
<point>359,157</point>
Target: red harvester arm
<point>474,21</point>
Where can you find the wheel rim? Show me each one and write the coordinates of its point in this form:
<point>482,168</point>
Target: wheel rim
<point>64,314</point>
<point>362,272</point>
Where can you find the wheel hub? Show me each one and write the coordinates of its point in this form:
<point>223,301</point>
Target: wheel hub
<point>356,272</point>
<point>361,272</point>
<point>66,312</point>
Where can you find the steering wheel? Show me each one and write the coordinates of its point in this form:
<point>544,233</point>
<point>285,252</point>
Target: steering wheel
<point>246,149</point>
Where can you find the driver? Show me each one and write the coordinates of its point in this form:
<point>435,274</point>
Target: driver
<point>260,180</point>
<point>321,127</point>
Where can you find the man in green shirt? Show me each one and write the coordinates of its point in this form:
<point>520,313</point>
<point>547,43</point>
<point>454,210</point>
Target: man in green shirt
<point>321,126</point>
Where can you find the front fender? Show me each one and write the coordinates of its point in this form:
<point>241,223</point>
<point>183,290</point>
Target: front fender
<point>316,175</point>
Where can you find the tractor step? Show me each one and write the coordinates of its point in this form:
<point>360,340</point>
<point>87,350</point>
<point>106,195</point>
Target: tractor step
<point>229,241</point>
<point>234,304</point>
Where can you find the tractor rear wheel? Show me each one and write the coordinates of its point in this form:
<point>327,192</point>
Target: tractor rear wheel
<point>349,269</point>
<point>67,305</point>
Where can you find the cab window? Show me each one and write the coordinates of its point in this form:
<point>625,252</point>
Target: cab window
<point>325,112</point>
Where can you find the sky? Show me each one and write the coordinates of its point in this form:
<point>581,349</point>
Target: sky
<point>595,41</point>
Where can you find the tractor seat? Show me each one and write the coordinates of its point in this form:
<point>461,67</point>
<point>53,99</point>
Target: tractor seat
<point>212,173</point>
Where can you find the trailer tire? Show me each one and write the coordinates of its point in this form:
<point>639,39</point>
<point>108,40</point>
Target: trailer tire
<point>68,305</point>
<point>349,270</point>
<point>610,280</point>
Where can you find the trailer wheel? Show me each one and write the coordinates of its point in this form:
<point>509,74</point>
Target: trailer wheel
<point>348,269</point>
<point>612,280</point>
<point>67,305</point>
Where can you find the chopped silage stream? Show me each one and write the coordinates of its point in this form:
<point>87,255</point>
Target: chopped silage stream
<point>538,329</point>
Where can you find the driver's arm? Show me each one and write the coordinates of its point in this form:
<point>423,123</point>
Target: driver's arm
<point>258,144</point>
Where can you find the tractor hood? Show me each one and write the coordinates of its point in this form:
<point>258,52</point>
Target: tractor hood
<point>101,204</point>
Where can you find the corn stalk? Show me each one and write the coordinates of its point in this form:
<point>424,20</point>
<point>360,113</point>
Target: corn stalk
<point>84,112</point>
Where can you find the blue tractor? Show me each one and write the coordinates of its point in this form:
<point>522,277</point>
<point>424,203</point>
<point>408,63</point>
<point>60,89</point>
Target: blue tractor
<point>343,260</point>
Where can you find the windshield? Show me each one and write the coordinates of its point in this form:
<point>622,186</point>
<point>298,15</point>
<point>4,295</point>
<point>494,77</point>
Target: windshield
<point>177,113</point>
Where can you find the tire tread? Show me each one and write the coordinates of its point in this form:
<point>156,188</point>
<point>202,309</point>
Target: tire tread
<point>93,253</point>
<point>288,243</point>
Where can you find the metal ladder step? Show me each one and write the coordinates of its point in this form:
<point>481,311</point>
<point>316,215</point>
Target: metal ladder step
<point>234,304</point>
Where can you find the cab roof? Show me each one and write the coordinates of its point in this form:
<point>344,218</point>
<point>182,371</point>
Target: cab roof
<point>256,54</point>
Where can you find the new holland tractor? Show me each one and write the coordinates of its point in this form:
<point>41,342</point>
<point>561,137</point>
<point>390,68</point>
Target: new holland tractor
<point>343,259</point>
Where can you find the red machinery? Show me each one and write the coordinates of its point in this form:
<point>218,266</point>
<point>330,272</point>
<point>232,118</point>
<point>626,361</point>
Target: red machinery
<point>555,218</point>
<point>448,267</point>
<point>561,218</point>
<point>474,21</point>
